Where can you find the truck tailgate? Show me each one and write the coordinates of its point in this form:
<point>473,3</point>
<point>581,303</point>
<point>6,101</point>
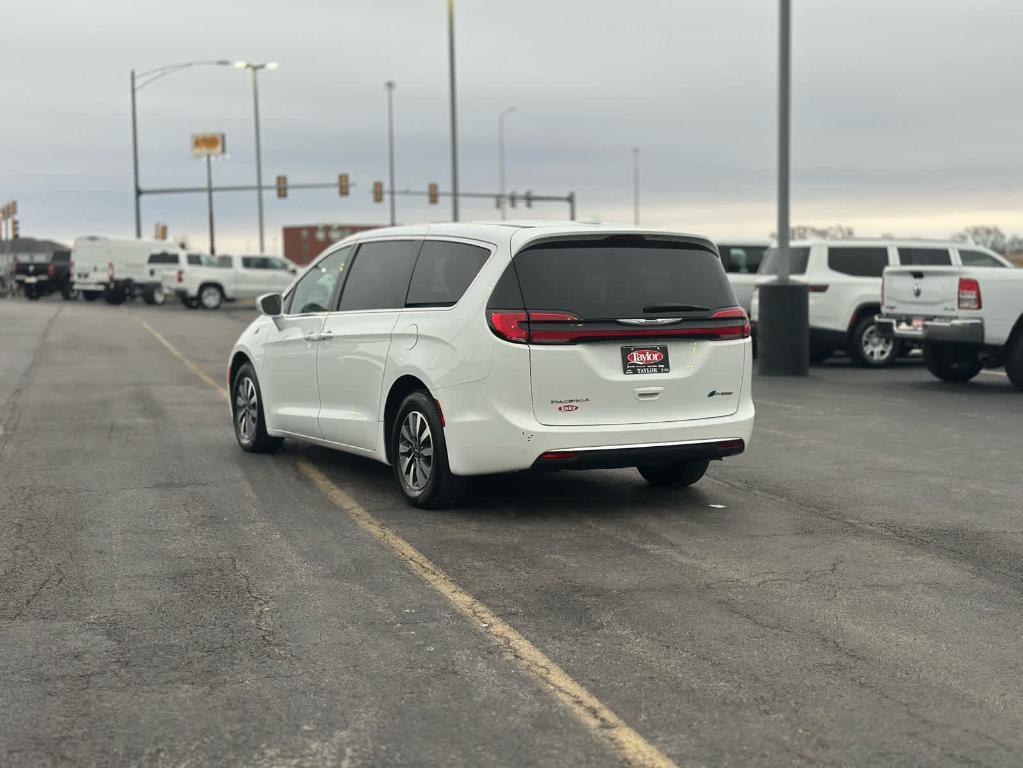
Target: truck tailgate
<point>921,291</point>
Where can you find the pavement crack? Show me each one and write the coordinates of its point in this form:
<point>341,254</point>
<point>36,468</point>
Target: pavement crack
<point>264,619</point>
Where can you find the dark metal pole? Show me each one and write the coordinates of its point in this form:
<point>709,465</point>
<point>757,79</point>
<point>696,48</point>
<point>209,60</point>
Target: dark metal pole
<point>209,200</point>
<point>571,205</point>
<point>389,85</point>
<point>784,99</point>
<point>259,157</point>
<point>454,119</point>
<point>135,160</point>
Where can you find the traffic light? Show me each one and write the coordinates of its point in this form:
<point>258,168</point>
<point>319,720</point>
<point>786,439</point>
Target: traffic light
<point>432,193</point>
<point>529,199</point>
<point>342,184</point>
<point>378,191</point>
<point>161,231</point>
<point>14,229</point>
<point>282,186</point>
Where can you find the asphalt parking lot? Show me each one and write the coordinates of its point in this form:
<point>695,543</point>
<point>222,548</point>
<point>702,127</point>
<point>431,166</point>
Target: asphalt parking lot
<point>848,592</point>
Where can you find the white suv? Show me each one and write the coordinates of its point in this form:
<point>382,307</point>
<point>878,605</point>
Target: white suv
<point>845,288</point>
<point>464,349</point>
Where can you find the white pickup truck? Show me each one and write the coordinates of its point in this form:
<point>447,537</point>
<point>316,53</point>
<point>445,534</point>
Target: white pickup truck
<point>966,317</point>
<point>207,281</point>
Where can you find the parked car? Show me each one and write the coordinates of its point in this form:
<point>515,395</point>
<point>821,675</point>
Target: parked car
<point>119,270</point>
<point>40,274</point>
<point>741,260</point>
<point>844,278</point>
<point>966,317</point>
<point>209,281</point>
<point>465,349</point>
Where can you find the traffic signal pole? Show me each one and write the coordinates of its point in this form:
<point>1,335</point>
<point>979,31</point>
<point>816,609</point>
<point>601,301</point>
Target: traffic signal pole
<point>209,201</point>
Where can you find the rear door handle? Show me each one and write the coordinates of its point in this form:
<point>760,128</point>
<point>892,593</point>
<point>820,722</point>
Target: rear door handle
<point>313,337</point>
<point>326,336</point>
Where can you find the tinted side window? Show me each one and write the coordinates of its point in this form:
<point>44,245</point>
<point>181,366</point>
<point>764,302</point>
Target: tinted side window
<point>443,272</point>
<point>313,292</point>
<point>257,262</point>
<point>275,263</point>
<point>379,277</point>
<point>858,262</point>
<point>798,259</point>
<point>194,260</point>
<point>979,259</point>
<point>163,258</point>
<point>924,257</point>
<point>741,259</point>
<point>225,261</point>
<point>507,293</point>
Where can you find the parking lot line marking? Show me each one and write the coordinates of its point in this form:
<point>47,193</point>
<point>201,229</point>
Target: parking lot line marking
<point>627,743</point>
<point>188,363</point>
<point>995,373</point>
<point>630,746</point>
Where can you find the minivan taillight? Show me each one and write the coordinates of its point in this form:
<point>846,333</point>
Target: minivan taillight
<point>969,294</point>
<point>514,326</point>
<point>733,332</point>
<point>519,327</point>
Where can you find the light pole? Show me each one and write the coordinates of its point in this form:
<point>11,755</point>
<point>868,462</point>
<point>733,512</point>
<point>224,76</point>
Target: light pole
<point>389,87</point>
<point>784,327</point>
<point>255,68</point>
<point>140,80</point>
<point>454,117</point>
<point>500,158</point>
<point>635,186</point>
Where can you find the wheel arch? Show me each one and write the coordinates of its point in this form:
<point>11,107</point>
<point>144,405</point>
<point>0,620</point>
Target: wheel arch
<point>239,358</point>
<point>864,309</point>
<point>400,388</point>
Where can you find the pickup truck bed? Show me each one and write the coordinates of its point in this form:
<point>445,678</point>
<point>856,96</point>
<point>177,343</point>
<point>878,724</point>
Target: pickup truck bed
<point>966,318</point>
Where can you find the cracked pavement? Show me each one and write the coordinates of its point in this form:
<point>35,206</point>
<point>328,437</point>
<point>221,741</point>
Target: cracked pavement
<point>165,599</point>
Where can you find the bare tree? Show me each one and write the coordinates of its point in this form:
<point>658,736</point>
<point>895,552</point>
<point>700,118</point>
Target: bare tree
<point>987,236</point>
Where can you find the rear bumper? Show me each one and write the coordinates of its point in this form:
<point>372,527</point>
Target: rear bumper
<point>614,457</point>
<point>940,330</point>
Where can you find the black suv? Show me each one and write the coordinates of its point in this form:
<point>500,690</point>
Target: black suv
<point>40,274</point>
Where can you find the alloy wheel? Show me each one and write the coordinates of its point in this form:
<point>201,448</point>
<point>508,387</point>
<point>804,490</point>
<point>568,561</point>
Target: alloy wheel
<point>415,452</point>
<point>876,348</point>
<point>246,409</point>
<point>210,297</point>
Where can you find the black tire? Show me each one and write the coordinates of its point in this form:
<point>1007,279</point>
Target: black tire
<point>410,461</point>
<point>91,295</point>
<point>680,473</point>
<point>190,303</point>
<point>868,349</point>
<point>952,362</point>
<point>32,294</point>
<point>211,296</point>
<point>1014,361</point>
<point>70,294</point>
<point>154,294</point>
<point>114,296</point>
<point>250,427</point>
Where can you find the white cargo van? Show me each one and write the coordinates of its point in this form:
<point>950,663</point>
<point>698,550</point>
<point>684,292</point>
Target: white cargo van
<point>119,270</point>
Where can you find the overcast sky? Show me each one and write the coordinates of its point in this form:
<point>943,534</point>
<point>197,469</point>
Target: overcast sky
<point>907,115</point>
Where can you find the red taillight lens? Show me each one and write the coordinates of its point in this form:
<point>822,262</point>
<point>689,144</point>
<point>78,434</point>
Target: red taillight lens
<point>510,326</point>
<point>52,270</point>
<point>110,270</point>
<point>969,294</point>
<point>817,288</point>
<point>181,275</point>
<point>737,332</point>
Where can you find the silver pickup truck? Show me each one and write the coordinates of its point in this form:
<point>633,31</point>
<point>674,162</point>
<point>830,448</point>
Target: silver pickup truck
<point>966,318</point>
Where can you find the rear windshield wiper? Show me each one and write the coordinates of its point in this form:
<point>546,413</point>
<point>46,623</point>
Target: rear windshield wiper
<point>676,308</point>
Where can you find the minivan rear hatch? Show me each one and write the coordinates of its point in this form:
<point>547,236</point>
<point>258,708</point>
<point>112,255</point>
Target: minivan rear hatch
<point>628,329</point>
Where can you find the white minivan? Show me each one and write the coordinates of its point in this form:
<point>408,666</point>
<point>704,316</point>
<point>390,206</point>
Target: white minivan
<point>452,350</point>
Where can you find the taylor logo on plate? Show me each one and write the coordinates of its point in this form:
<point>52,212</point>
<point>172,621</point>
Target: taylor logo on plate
<point>645,356</point>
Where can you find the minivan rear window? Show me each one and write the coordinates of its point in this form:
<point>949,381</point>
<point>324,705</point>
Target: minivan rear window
<point>798,259</point>
<point>621,278</point>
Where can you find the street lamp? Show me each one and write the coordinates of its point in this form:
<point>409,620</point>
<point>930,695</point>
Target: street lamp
<point>389,87</point>
<point>500,159</point>
<point>255,68</point>
<point>454,117</point>
<point>140,80</point>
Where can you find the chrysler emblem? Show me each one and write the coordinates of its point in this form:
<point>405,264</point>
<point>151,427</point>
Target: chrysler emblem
<point>649,320</point>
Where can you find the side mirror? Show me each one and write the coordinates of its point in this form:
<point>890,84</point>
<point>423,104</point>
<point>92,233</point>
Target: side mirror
<point>271,304</point>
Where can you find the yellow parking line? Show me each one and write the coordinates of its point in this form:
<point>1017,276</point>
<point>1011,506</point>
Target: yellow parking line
<point>629,745</point>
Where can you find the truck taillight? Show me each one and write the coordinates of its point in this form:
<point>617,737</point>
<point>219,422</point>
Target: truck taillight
<point>969,294</point>
<point>52,270</point>
<point>110,270</point>
<point>181,275</point>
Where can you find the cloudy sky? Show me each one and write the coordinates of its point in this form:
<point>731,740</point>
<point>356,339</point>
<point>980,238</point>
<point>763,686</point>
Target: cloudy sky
<point>907,115</point>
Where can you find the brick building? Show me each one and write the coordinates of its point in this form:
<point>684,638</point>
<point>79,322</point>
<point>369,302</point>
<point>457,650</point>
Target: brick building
<point>304,243</point>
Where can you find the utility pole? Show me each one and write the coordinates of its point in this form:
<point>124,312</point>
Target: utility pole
<point>454,114</point>
<point>389,87</point>
<point>500,159</point>
<point>135,159</point>
<point>784,323</point>
<point>635,186</point>
<point>259,164</point>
